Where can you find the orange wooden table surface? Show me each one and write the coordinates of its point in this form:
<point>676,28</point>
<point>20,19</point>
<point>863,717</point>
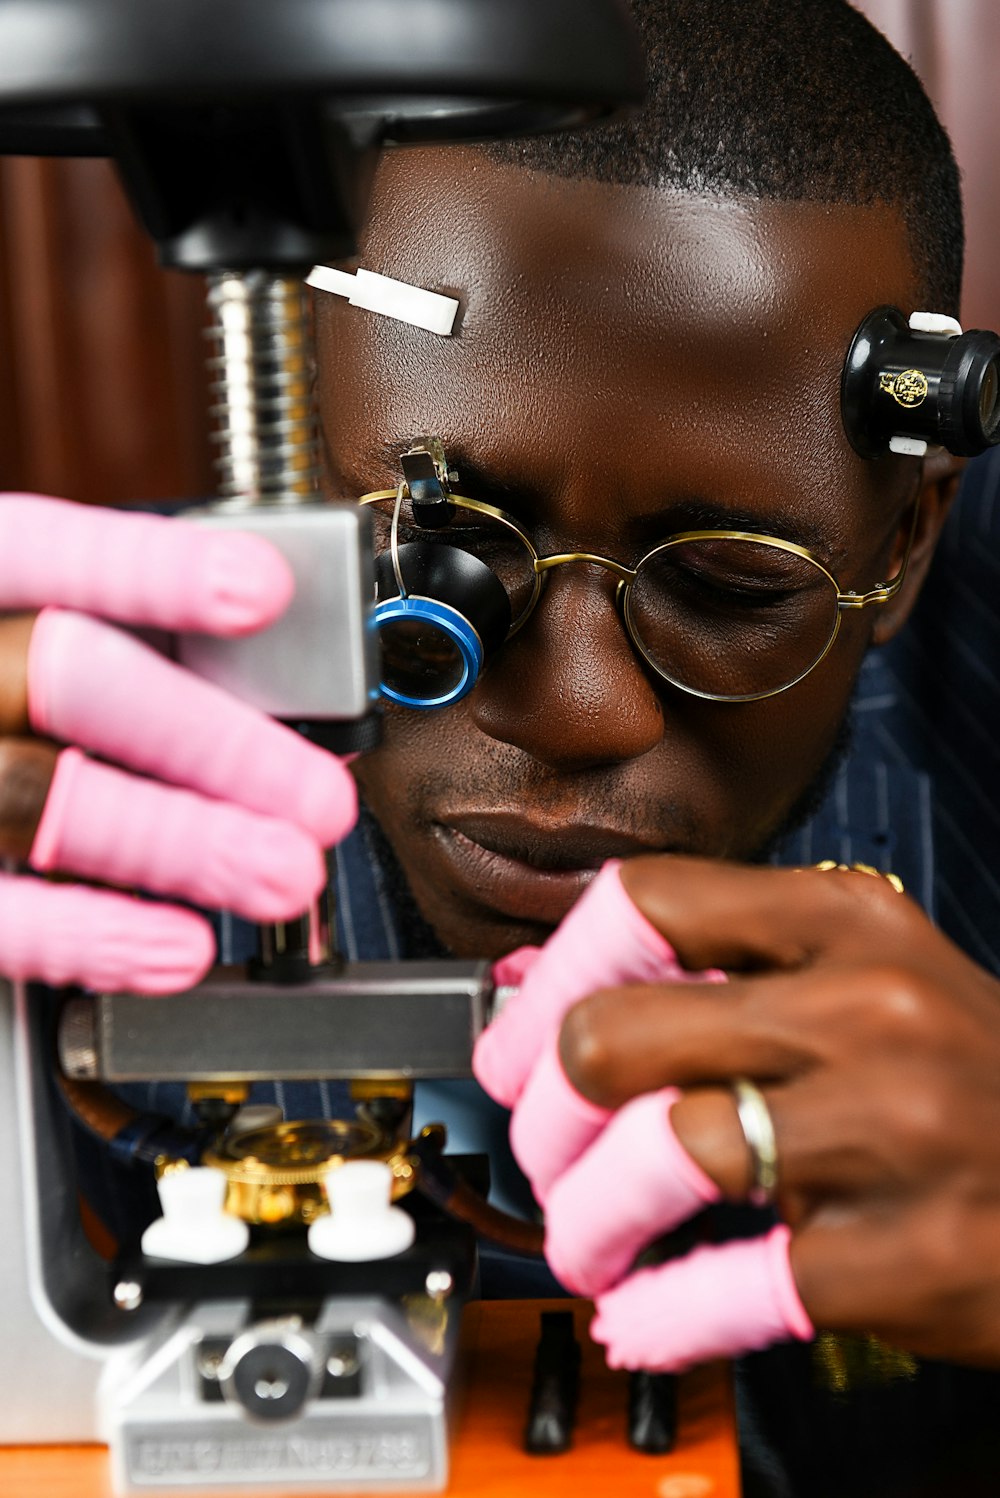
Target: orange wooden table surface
<point>487,1460</point>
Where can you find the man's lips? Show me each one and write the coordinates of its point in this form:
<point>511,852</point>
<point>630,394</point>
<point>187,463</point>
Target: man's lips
<point>560,846</point>
<point>526,869</point>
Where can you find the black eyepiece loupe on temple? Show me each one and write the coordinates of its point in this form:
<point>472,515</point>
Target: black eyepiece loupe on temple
<point>911,383</point>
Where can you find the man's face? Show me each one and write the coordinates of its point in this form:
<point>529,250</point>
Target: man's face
<point>628,363</point>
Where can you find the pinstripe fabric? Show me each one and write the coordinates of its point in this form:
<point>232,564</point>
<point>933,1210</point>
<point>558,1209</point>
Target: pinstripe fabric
<point>943,677</point>
<point>919,791</point>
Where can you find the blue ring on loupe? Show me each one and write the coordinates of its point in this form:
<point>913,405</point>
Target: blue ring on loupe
<point>450,622</point>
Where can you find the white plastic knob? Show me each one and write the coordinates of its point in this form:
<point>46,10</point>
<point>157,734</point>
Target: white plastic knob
<point>363,1224</point>
<point>935,322</point>
<point>375,293</point>
<point>908,447</point>
<point>194,1229</point>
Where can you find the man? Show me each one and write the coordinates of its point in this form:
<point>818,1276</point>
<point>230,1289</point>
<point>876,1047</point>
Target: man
<point>653,326</point>
<point>634,360</point>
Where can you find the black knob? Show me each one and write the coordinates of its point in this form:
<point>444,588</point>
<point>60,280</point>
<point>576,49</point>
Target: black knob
<point>271,1370</point>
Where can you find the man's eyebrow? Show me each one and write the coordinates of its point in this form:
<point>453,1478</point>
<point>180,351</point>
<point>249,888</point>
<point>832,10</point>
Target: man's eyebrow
<point>705,515</point>
<point>484,483</point>
<point>681,513</point>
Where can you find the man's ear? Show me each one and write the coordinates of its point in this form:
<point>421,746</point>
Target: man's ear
<point>938,488</point>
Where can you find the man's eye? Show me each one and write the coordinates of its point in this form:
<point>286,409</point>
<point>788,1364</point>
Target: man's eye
<point>735,575</point>
<point>739,592</point>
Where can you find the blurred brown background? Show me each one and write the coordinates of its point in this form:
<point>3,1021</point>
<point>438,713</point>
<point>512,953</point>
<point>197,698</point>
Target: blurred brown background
<point>955,47</point>
<point>102,390</point>
<point>101,368</point>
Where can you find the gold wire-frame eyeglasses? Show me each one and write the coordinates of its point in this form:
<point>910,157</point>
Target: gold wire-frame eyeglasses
<point>840,600</point>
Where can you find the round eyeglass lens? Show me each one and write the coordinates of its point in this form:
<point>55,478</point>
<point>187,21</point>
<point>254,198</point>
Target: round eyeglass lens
<point>420,661</point>
<point>483,536</point>
<point>731,618</point>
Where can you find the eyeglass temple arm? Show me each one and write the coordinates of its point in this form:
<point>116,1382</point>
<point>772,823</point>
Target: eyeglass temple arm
<point>888,590</point>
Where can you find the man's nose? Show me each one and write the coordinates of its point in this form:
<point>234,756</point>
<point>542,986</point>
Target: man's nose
<point>569,689</point>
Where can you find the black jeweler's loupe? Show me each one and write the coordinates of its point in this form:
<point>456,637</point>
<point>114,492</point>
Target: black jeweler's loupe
<point>908,384</point>
<point>438,620</point>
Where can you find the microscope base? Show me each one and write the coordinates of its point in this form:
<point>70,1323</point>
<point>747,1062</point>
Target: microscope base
<point>355,1399</point>
<point>486,1459</point>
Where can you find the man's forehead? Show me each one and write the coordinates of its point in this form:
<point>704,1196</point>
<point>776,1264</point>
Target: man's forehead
<point>522,249</point>
<point>697,334</point>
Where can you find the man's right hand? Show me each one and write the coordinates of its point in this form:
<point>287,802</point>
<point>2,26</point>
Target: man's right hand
<point>873,1043</point>
<point>120,768</point>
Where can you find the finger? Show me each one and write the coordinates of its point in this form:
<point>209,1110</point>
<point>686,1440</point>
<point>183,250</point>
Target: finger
<point>852,1135</point>
<point>924,1275</point>
<point>64,933</point>
<point>715,1302</point>
<point>100,823</point>
<point>26,770</point>
<point>621,1042</point>
<point>708,1128</point>
<point>603,940</point>
<point>633,1183</point>
<point>93,685</point>
<point>890,1246</point>
<point>511,970</point>
<point>552,1124</point>
<point>748,918</point>
<point>860,1137</point>
<point>141,569</point>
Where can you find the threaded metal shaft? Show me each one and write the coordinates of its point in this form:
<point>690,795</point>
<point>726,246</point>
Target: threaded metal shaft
<point>263,406</point>
<point>263,410</point>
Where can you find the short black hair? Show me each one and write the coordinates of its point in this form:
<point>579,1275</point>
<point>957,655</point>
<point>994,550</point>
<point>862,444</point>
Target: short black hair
<point>778,99</point>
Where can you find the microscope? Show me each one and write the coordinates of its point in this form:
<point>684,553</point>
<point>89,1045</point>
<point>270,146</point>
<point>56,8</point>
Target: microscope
<point>246,133</point>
